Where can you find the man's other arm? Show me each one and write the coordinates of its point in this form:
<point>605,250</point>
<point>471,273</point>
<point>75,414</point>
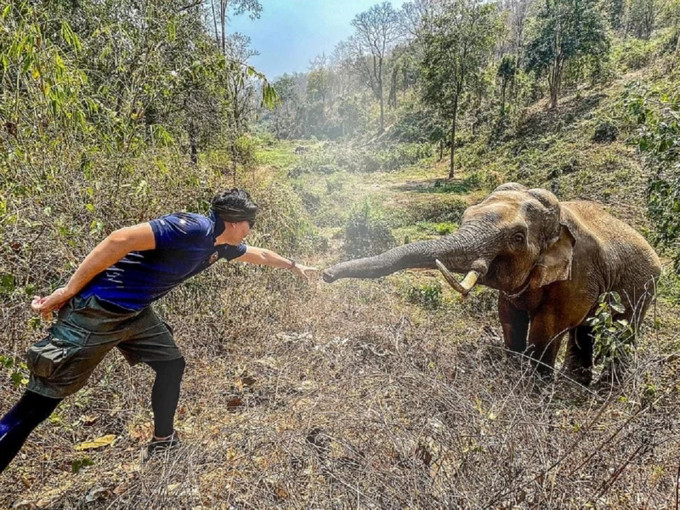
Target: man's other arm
<point>105,254</point>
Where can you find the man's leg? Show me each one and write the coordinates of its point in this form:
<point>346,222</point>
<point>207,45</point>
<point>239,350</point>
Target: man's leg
<point>19,422</point>
<point>165,394</point>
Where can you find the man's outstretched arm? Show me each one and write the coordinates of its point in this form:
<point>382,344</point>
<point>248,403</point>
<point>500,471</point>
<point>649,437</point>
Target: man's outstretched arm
<point>269,258</point>
<point>105,254</point>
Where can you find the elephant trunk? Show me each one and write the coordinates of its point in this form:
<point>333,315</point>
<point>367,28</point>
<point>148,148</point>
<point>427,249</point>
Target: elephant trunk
<point>463,252</point>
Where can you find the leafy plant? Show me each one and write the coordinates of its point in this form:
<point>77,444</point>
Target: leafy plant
<point>366,233</point>
<point>428,295</point>
<point>656,114</point>
<point>612,338</point>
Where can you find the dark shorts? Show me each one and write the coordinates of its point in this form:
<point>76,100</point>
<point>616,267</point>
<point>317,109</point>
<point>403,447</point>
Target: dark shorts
<point>85,331</point>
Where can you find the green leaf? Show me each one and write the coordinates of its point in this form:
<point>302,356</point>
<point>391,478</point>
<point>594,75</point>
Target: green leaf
<point>7,283</point>
<point>618,308</point>
<point>79,464</point>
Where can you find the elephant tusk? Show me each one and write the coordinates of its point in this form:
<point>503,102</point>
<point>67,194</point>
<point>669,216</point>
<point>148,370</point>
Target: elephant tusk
<point>465,286</point>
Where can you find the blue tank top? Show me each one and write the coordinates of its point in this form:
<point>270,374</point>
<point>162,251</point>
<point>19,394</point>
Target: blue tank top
<point>185,246</point>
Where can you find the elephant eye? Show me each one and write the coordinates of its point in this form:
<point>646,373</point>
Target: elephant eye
<point>518,238</point>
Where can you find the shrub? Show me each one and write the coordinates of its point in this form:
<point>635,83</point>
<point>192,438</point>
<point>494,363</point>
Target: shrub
<point>633,54</point>
<point>612,338</point>
<point>656,113</point>
<point>428,295</point>
<point>605,132</point>
<point>366,233</point>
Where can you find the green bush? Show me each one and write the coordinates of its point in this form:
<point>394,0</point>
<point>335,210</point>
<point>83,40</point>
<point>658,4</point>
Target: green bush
<point>656,115</point>
<point>472,182</point>
<point>612,338</point>
<point>633,54</point>
<point>428,295</point>
<point>384,158</point>
<point>366,233</point>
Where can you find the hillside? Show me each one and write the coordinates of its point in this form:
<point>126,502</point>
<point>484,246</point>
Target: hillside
<point>362,394</point>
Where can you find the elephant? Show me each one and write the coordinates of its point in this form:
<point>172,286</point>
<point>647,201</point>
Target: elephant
<point>550,262</point>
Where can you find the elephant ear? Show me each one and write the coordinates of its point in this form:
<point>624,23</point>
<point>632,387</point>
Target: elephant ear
<point>554,264</point>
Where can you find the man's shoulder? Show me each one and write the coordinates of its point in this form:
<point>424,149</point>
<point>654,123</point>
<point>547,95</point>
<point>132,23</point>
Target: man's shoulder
<point>185,219</point>
<point>182,227</point>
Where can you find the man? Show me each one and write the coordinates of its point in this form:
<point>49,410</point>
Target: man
<point>106,304</point>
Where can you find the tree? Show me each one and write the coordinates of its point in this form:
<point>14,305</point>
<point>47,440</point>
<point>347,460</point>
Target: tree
<point>456,52</point>
<point>220,17</point>
<point>615,10</point>
<point>642,17</point>
<point>564,30</point>
<point>506,73</point>
<point>415,13</point>
<point>285,115</point>
<point>376,30</point>
<point>240,94</point>
<point>518,10</point>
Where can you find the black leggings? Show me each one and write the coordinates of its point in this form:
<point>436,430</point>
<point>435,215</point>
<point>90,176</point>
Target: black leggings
<point>165,394</point>
<point>20,421</point>
<point>32,409</point>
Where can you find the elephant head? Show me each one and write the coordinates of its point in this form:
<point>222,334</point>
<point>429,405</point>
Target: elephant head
<point>512,241</point>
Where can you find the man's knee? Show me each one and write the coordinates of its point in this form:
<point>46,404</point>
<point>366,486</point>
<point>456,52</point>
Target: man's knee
<point>173,369</point>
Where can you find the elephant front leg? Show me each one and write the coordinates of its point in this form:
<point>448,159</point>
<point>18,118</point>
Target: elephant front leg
<point>545,336</point>
<point>579,359</point>
<point>515,324</point>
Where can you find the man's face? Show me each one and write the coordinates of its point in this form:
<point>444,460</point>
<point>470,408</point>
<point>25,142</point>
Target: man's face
<point>237,231</point>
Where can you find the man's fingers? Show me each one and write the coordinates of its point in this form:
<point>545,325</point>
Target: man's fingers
<point>36,304</point>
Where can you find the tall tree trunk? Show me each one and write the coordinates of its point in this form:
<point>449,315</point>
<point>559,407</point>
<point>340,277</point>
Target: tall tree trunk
<point>392,100</point>
<point>382,113</point>
<point>453,140</point>
<point>193,143</point>
<point>380,95</point>
<point>555,77</point>
<point>217,35</point>
<point>224,5</point>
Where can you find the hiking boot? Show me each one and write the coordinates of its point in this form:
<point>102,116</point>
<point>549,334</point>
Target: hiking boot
<point>160,446</point>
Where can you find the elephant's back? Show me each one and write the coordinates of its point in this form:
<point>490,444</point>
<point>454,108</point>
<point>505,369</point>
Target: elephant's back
<point>623,251</point>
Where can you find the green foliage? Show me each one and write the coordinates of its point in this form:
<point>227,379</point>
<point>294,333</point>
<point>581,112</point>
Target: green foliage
<point>613,338</point>
<point>389,157</point>
<point>455,53</point>
<point>564,30</point>
<point>470,183</point>
<point>366,233</point>
<point>605,132</point>
<point>80,463</point>
<point>428,295</point>
<point>656,113</point>
<point>445,228</point>
<point>633,54</point>
<point>668,287</point>
<point>642,17</point>
<point>113,78</point>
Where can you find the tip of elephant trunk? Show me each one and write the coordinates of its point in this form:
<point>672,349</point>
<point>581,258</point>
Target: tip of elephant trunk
<point>328,276</point>
<point>463,287</point>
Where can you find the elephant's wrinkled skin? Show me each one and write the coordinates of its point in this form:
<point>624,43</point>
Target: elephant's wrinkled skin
<point>549,260</point>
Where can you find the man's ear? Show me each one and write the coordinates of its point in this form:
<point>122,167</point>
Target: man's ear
<point>554,264</point>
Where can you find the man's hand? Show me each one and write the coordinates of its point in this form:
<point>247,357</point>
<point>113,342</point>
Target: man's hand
<point>304,271</point>
<point>46,305</point>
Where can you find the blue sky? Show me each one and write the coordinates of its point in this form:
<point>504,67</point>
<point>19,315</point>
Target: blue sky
<point>290,33</point>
